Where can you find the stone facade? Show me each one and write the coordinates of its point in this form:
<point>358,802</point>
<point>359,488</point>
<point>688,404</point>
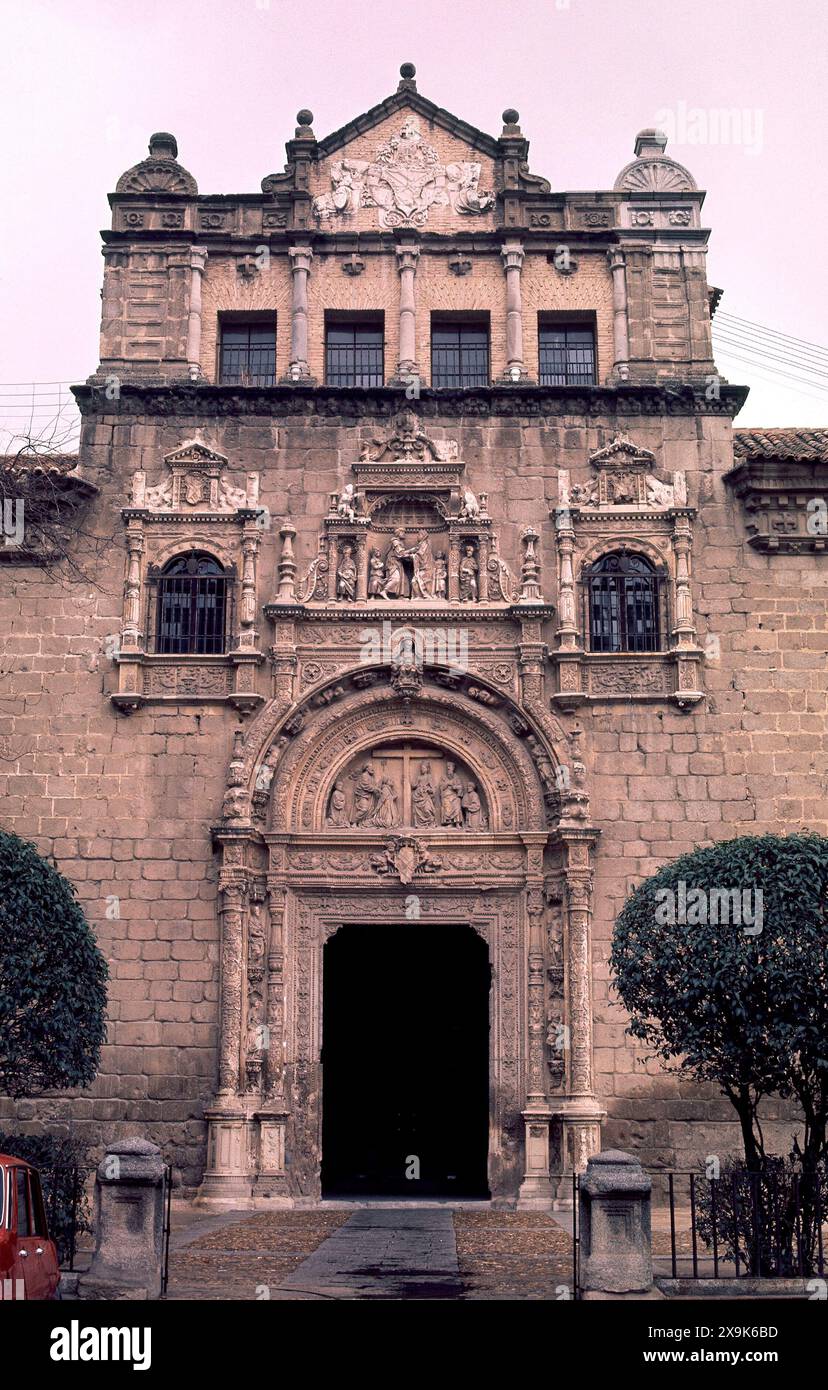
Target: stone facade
<point>407,702</point>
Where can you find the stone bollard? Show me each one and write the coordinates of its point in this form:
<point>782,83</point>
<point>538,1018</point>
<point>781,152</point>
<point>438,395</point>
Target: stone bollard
<point>614,1219</point>
<point>129,1223</point>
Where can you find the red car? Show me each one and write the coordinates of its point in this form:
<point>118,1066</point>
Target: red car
<point>28,1258</point>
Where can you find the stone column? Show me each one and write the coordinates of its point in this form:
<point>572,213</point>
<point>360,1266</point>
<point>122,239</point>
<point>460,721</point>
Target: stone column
<point>620,327</point>
<point>300,264</point>
<point>684,632</point>
<point>614,1211</point>
<point>232,900</point>
<point>408,253</point>
<point>131,634</point>
<point>512,255</point>
<point>129,1221</point>
<point>581,1114</point>
<point>247,604</point>
<point>453,569</point>
<point>198,260</point>
<point>536,1189</point>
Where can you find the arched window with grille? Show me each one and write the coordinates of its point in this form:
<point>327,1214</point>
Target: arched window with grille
<point>623,596</point>
<point>192,606</point>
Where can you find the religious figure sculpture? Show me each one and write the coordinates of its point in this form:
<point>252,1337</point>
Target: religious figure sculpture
<point>337,817</point>
<point>365,797</point>
<point>376,575</point>
<point>422,797</point>
<point>423,581</point>
<point>451,798</point>
<point>473,809</point>
<point>386,814</point>
<point>440,576</point>
<point>468,576</point>
<point>396,579</point>
<point>346,575</point>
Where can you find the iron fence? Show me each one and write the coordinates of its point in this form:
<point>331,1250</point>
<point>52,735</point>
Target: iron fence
<point>742,1224</point>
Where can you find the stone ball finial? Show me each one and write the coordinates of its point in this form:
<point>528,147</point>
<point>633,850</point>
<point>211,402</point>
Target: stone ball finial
<point>162,145</point>
<point>304,117</point>
<point>511,116</point>
<point>408,71</point>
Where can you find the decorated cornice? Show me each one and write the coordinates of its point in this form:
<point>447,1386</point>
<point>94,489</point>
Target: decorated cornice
<point>784,502</point>
<point>382,402</point>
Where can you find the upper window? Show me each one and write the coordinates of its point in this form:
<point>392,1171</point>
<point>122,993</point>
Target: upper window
<point>622,594</point>
<point>459,354</point>
<point>567,354</point>
<point>24,1225</point>
<point>354,352</point>
<point>192,603</point>
<point>248,353</point>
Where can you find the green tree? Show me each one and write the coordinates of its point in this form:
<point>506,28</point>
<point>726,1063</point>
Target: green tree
<point>52,978</point>
<point>743,1004</point>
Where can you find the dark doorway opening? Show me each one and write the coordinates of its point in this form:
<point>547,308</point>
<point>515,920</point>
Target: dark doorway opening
<point>405,1098</point>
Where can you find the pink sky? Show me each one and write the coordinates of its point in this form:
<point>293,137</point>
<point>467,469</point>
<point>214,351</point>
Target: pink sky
<point>85,82</point>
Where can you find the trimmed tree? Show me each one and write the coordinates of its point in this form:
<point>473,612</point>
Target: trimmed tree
<point>732,987</point>
<point>52,978</point>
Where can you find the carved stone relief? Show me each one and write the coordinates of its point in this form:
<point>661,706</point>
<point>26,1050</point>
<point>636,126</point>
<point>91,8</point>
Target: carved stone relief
<point>403,182</point>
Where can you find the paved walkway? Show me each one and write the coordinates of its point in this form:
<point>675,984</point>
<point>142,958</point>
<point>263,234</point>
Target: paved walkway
<point>391,1254</point>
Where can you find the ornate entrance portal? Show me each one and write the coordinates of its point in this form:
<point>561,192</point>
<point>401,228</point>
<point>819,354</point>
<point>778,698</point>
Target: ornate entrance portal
<point>406,779</point>
<point>410,1116</point>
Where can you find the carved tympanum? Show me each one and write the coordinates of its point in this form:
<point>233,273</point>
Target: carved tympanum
<point>408,785</point>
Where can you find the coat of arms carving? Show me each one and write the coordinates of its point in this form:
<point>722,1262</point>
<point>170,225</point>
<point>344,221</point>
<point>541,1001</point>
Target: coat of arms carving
<point>404,180</point>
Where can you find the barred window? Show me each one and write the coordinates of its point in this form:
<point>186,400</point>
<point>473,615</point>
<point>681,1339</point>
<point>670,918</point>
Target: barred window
<point>248,354</point>
<point>192,604</point>
<point>459,354</point>
<point>567,355</point>
<point>622,593</point>
<point>354,354</point>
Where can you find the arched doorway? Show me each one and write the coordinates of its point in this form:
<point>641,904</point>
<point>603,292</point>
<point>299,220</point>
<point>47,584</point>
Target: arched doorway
<point>408,1117</point>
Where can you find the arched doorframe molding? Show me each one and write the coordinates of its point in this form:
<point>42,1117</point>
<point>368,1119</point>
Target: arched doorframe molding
<point>284,872</point>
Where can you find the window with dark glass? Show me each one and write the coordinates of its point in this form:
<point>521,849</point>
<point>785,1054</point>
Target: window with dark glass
<point>192,603</point>
<point>459,354</point>
<point>354,354</point>
<point>567,355</point>
<point>24,1225</point>
<point>248,354</point>
<point>622,595</point>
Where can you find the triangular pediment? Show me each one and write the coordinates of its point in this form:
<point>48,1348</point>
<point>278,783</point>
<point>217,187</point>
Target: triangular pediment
<point>408,102</point>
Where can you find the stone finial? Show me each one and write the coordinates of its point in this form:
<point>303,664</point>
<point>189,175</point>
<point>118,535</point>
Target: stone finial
<point>162,145</point>
<point>408,72</point>
<point>511,121</point>
<point>650,142</point>
<point>304,122</point>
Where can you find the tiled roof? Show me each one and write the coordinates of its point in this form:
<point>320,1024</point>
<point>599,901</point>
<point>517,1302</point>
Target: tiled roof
<point>781,444</point>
